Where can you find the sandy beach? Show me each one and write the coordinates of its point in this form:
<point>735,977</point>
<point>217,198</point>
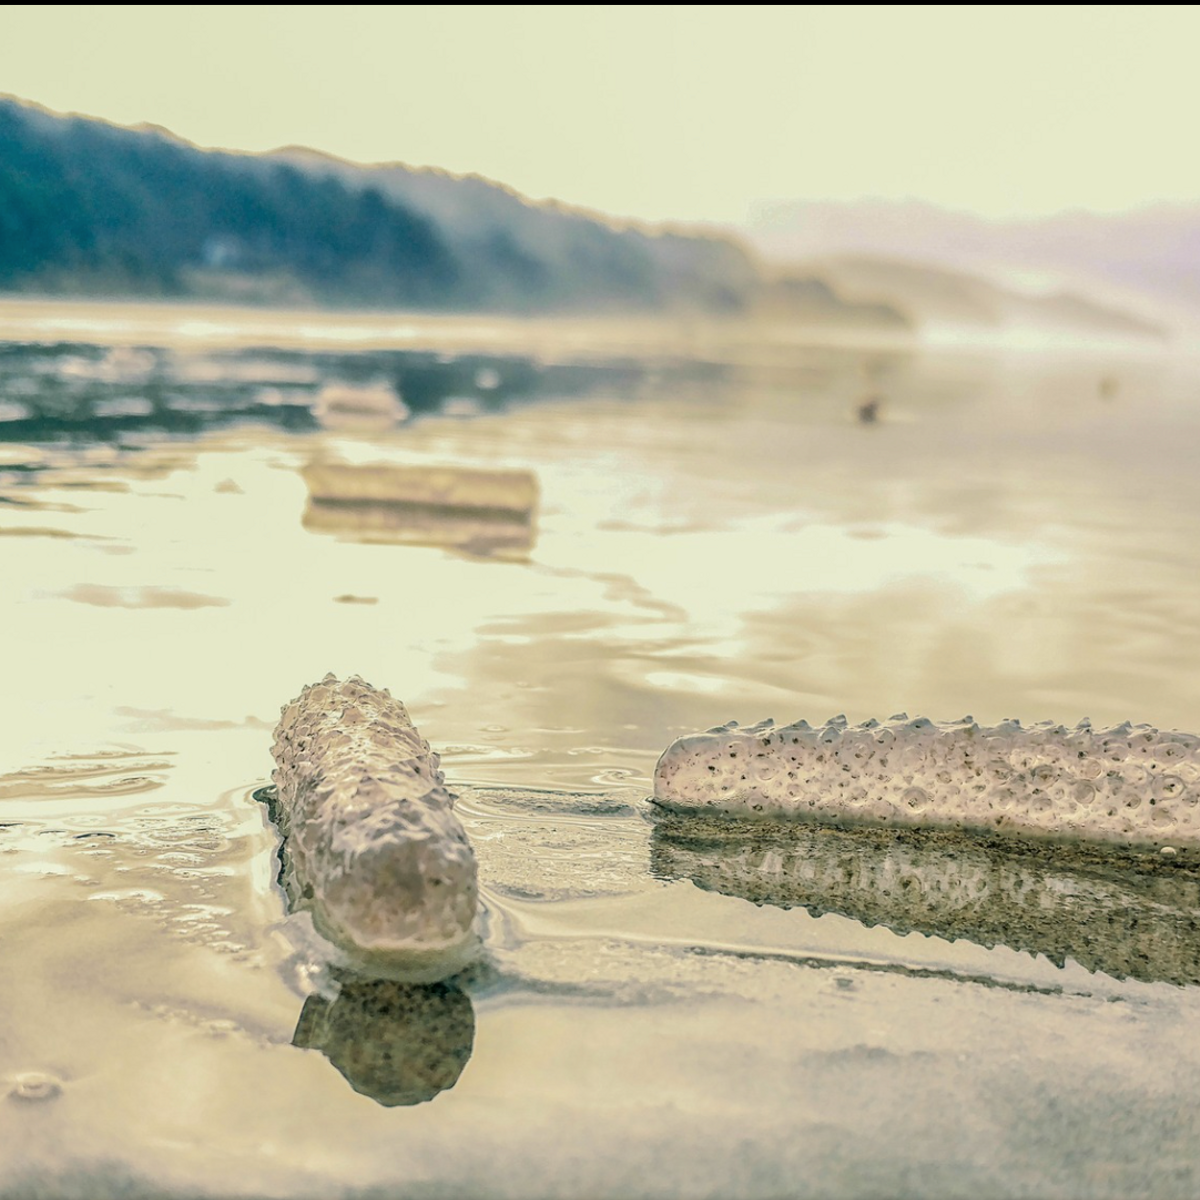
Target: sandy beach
<point>656,1013</point>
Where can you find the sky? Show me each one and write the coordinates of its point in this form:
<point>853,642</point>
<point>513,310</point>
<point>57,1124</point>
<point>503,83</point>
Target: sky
<point>685,113</point>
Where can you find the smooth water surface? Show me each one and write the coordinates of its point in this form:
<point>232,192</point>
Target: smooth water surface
<point>663,1009</point>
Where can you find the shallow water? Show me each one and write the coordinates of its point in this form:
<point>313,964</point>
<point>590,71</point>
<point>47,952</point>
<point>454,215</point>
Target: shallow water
<point>662,1010</point>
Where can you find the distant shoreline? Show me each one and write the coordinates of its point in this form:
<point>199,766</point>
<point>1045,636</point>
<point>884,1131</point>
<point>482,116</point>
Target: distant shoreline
<point>204,325</point>
<point>200,325</point>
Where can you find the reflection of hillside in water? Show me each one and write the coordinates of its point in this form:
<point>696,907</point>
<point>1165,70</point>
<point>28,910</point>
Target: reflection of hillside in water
<point>462,508</point>
<point>1128,917</point>
<point>76,391</point>
<point>398,1043</point>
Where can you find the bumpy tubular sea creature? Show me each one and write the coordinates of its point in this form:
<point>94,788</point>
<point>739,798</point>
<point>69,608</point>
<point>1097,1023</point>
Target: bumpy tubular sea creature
<point>1129,784</point>
<point>371,845</point>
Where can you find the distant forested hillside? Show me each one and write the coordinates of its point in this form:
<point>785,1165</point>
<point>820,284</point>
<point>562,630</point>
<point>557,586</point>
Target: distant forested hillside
<point>547,253</point>
<point>85,206</point>
<point>90,207</point>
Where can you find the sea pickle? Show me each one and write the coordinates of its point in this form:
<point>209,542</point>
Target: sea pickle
<point>371,845</point>
<point>1128,784</point>
<point>511,493</point>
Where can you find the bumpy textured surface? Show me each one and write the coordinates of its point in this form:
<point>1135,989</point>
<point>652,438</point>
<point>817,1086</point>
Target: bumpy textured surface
<point>371,845</point>
<point>1129,915</point>
<point>1128,784</point>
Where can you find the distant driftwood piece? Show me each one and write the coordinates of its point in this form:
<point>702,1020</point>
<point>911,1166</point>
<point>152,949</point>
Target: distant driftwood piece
<point>371,845</point>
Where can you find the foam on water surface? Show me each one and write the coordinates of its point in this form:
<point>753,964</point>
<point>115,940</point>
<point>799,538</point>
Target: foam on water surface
<point>371,846</point>
<point>1128,784</point>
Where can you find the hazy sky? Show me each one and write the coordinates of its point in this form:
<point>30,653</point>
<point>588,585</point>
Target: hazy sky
<point>662,112</point>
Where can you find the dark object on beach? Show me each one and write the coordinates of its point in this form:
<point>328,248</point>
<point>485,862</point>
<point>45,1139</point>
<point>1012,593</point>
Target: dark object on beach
<point>1108,387</point>
<point>868,410</point>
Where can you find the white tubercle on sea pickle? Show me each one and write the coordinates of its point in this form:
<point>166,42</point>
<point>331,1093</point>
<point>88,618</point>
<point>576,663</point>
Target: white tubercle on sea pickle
<point>1129,784</point>
<point>371,842</point>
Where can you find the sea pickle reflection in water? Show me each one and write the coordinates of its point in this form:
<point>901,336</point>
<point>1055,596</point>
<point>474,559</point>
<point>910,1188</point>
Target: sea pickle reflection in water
<point>399,1043</point>
<point>1128,916</point>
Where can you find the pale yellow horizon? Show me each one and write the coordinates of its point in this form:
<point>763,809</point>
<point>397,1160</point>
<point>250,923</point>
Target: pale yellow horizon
<point>683,114</point>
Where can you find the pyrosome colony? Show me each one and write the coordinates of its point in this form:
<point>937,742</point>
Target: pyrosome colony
<point>1130,784</point>
<point>371,845</point>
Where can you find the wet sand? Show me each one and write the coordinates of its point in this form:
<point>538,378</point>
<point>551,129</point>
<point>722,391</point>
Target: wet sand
<point>657,1014</point>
